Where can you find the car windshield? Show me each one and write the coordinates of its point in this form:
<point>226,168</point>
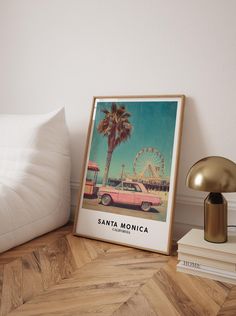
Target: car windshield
<point>119,186</point>
<point>137,187</point>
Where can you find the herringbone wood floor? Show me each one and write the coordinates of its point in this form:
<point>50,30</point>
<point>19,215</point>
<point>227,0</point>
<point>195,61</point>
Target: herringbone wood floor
<point>59,274</point>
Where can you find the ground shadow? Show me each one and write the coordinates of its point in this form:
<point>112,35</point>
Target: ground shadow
<point>134,207</point>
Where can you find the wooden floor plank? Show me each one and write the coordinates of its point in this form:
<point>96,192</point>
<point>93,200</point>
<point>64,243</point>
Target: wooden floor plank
<point>12,295</point>
<point>32,282</point>
<point>1,284</point>
<point>229,306</point>
<point>57,262</point>
<point>160,302</point>
<point>136,305</point>
<point>30,246</point>
<point>60,274</point>
<point>191,287</point>
<point>100,286</point>
<point>83,251</point>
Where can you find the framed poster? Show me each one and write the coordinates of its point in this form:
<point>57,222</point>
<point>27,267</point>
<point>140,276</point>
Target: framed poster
<point>128,184</point>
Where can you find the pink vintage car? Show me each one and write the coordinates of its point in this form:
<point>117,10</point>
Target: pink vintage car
<point>126,192</point>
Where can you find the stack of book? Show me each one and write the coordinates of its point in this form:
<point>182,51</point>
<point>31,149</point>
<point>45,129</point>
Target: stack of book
<point>205,259</point>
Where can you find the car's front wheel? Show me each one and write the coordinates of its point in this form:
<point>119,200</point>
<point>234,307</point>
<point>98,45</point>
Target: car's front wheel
<point>106,199</point>
<point>145,206</point>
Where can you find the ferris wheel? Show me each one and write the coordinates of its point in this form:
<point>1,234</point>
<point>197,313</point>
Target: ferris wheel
<point>149,164</point>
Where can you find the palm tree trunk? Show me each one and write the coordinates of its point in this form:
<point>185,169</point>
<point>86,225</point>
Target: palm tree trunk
<point>106,171</point>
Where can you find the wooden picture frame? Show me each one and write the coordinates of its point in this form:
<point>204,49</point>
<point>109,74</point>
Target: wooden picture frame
<point>128,186</point>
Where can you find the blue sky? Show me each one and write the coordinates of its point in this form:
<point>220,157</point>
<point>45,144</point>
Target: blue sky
<point>153,126</point>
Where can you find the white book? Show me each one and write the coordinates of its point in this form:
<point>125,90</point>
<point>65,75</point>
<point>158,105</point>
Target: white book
<point>192,259</point>
<point>193,243</point>
<point>207,272</point>
<point>206,268</point>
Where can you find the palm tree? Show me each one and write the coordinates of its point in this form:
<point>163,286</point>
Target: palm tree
<point>117,128</point>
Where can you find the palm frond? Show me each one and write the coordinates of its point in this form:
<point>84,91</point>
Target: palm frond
<point>105,111</point>
<point>113,107</point>
<point>125,114</point>
<point>115,125</point>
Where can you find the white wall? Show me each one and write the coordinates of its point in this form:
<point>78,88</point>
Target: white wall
<point>63,52</point>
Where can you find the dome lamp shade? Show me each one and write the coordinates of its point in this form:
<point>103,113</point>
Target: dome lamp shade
<point>215,175</point>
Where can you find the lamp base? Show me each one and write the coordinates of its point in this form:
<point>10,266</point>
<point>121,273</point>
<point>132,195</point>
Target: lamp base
<point>215,218</point>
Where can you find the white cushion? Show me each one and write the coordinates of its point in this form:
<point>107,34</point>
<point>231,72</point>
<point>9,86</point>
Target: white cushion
<point>34,176</point>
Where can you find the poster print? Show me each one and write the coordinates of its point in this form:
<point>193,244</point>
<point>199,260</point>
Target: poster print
<point>130,170</point>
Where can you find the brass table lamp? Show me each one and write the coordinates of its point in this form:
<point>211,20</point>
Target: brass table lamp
<point>215,175</point>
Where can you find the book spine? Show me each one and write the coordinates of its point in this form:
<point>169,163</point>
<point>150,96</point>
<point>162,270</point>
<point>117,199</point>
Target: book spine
<point>192,260</point>
<point>215,255</point>
<point>206,274</point>
<point>204,268</point>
